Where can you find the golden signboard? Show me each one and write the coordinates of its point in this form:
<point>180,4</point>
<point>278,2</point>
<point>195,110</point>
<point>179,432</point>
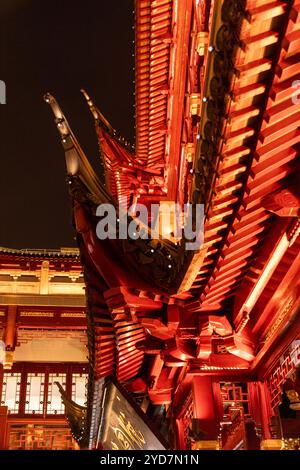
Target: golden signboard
<point>123,425</point>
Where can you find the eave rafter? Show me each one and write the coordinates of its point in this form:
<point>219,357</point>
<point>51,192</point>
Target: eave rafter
<point>249,179</point>
<point>225,134</point>
<point>125,177</point>
<point>161,261</point>
<point>153,37</point>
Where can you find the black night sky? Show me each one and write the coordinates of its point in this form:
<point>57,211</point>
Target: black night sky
<point>58,46</point>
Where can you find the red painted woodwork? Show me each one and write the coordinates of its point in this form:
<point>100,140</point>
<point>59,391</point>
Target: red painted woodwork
<point>205,407</point>
<point>3,427</point>
<point>10,330</point>
<point>239,297</point>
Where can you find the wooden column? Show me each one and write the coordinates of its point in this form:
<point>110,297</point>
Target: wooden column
<point>10,335</point>
<point>3,427</point>
<point>255,406</point>
<point>44,279</point>
<point>205,411</point>
<point>10,328</point>
<point>266,411</point>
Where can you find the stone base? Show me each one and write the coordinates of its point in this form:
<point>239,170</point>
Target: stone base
<point>206,445</point>
<point>271,444</point>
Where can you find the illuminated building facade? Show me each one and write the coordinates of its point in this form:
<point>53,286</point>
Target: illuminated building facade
<point>43,328</point>
<point>210,337</point>
<point>206,341</point>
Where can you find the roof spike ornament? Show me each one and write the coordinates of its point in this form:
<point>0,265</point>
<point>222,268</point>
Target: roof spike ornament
<point>96,113</point>
<point>101,121</point>
<point>77,163</point>
<point>63,127</point>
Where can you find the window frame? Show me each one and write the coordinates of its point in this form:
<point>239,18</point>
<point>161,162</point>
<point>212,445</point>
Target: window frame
<point>46,368</point>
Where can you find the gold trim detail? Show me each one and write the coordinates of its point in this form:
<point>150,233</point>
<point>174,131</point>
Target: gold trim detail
<point>73,315</point>
<point>36,314</point>
<point>279,320</point>
<point>272,444</point>
<point>206,445</point>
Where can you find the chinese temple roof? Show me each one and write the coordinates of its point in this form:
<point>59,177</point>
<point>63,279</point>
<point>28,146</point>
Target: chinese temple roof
<point>41,252</point>
<point>216,124</point>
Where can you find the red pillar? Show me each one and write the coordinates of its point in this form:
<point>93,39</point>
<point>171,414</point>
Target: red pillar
<point>10,328</point>
<point>271,435</point>
<point>205,404</point>
<point>10,335</point>
<point>180,441</point>
<point>255,405</point>
<point>3,426</point>
<point>266,409</point>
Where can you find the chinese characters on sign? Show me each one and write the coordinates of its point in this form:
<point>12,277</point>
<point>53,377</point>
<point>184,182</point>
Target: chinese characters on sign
<point>123,426</point>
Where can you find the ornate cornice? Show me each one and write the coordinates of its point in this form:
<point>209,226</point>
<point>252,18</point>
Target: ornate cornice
<point>216,99</point>
<point>281,317</point>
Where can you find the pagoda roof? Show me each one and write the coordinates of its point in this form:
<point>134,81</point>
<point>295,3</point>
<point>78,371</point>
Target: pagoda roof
<point>240,155</point>
<point>216,125</point>
<point>41,252</point>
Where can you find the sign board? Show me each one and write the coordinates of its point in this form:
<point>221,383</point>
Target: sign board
<point>123,425</point>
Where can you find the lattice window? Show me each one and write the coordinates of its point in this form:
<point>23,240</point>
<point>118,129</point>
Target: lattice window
<point>54,402</point>
<point>35,387</point>
<point>11,391</point>
<point>234,394</point>
<point>79,388</point>
<point>288,363</point>
<point>40,437</point>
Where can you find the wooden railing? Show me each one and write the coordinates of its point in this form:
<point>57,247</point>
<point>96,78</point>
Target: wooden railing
<point>233,434</point>
<point>238,431</point>
<point>39,437</point>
